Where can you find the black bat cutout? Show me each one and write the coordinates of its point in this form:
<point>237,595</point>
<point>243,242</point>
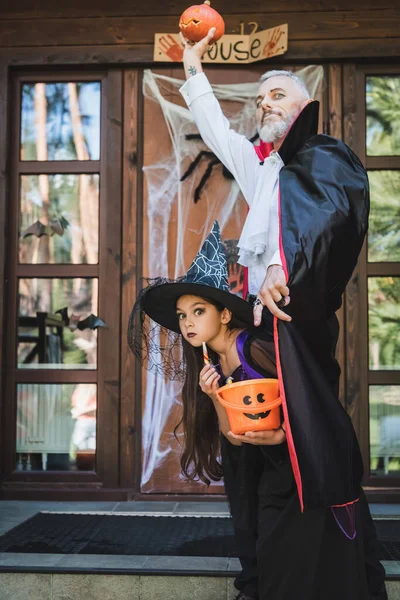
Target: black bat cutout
<point>56,226</point>
<point>90,322</point>
<point>213,162</point>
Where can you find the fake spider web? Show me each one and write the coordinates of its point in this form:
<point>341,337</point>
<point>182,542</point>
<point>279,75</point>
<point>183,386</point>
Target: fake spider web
<point>177,226</point>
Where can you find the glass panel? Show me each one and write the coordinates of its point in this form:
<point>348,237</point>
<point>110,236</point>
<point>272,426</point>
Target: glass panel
<point>59,219</point>
<point>49,340</point>
<point>384,406</point>
<point>56,427</point>
<point>384,322</point>
<point>383,116</point>
<point>384,221</point>
<point>60,121</point>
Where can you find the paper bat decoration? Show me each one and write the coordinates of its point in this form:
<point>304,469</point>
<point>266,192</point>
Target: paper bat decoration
<point>73,322</point>
<point>57,226</point>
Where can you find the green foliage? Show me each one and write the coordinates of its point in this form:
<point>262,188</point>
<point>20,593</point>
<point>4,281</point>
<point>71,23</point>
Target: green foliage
<point>384,319</point>
<point>384,221</point>
<point>383,116</point>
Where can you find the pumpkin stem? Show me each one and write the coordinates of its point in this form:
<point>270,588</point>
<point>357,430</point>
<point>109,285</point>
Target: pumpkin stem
<point>207,2</point>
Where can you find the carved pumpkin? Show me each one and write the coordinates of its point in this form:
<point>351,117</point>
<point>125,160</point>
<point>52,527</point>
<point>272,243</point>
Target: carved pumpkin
<point>197,21</point>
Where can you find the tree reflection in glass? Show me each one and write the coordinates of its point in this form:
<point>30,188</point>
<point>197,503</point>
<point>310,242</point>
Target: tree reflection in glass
<point>384,220</point>
<point>384,429</point>
<point>384,323</point>
<point>65,116</point>
<point>69,199</point>
<point>43,341</point>
<point>383,116</point>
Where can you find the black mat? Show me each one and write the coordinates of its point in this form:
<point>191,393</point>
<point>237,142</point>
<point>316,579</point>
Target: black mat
<point>106,534</point>
<point>151,536</point>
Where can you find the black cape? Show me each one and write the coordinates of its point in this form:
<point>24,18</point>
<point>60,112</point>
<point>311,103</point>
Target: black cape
<point>323,216</point>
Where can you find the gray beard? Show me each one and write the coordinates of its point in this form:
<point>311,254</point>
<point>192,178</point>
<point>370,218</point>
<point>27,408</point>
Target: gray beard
<point>275,130</point>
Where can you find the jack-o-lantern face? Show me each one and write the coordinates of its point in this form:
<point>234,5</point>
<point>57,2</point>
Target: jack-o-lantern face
<point>197,21</point>
<point>247,400</point>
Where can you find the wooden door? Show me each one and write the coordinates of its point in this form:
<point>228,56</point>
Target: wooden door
<point>64,272</point>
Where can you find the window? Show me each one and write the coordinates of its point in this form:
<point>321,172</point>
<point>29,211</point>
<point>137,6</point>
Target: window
<point>56,266</point>
<point>382,296</point>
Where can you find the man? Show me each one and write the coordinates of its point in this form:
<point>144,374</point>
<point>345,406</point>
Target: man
<point>308,203</point>
<point>281,97</point>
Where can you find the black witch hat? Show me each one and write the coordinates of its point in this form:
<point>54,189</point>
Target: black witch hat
<point>207,277</point>
<point>153,330</point>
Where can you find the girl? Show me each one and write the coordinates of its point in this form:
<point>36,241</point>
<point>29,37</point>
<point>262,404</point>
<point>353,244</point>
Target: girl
<point>286,554</point>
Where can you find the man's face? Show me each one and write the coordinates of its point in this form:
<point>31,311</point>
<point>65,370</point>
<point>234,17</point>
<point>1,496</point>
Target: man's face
<point>278,102</point>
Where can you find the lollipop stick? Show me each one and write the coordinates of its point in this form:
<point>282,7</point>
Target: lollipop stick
<point>205,354</point>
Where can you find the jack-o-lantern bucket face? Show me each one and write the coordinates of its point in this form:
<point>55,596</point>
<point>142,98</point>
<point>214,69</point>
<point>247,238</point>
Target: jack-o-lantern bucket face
<point>197,21</point>
<point>248,401</point>
<point>252,405</point>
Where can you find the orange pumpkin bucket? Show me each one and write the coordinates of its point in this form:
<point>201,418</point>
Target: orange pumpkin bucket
<point>251,405</point>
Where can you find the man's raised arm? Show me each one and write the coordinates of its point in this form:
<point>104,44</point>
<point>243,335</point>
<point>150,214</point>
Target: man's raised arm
<point>235,151</point>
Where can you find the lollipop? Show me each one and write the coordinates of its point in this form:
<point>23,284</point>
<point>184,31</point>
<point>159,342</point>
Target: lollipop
<point>205,354</point>
<point>197,21</point>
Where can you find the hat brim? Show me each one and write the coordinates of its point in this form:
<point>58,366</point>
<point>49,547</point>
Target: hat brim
<point>159,302</point>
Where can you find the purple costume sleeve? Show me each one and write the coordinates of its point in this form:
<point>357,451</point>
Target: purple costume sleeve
<point>250,372</point>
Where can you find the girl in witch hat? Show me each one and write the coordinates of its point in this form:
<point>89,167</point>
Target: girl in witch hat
<point>285,553</point>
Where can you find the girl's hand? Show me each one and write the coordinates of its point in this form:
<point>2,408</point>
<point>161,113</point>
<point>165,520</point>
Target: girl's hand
<point>272,437</point>
<point>209,378</point>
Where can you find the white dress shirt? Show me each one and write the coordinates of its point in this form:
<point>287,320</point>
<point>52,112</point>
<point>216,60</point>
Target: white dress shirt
<point>259,241</point>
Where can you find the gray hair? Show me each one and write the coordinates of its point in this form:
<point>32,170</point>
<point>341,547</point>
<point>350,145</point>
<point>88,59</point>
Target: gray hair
<point>299,82</point>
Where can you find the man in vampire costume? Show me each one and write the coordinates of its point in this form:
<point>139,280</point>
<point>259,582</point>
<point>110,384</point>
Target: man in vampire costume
<point>308,199</point>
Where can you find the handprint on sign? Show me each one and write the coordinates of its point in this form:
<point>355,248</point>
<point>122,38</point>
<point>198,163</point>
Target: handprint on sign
<point>169,46</point>
<point>272,41</point>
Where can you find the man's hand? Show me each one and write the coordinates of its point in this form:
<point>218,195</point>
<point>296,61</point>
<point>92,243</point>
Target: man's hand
<point>273,437</point>
<point>273,291</point>
<point>193,53</point>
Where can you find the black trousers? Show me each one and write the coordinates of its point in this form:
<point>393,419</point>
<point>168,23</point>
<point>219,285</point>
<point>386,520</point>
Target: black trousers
<point>286,554</point>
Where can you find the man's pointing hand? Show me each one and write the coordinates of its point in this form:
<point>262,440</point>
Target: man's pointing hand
<point>273,291</point>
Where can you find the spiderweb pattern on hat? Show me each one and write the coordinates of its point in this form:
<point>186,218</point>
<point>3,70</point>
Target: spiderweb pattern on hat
<point>210,263</point>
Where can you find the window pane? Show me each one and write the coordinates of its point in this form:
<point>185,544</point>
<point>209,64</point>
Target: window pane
<point>59,219</point>
<point>384,322</point>
<point>384,221</point>
<point>56,427</point>
<point>384,404</point>
<point>383,116</point>
<point>60,121</point>
<point>45,339</point>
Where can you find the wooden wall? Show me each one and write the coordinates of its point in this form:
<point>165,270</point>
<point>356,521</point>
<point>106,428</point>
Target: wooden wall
<point>318,29</point>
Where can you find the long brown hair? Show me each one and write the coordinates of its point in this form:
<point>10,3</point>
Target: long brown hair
<point>200,422</point>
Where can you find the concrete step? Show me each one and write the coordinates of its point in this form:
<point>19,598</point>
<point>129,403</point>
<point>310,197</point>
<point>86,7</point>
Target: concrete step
<point>107,586</point>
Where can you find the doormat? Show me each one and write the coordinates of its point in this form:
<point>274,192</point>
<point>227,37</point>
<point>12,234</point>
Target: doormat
<point>70,533</point>
<point>54,533</point>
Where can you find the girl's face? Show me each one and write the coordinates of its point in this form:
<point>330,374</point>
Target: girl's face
<point>200,321</point>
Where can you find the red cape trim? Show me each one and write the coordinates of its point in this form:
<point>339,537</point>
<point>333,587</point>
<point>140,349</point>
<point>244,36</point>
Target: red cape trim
<point>289,436</point>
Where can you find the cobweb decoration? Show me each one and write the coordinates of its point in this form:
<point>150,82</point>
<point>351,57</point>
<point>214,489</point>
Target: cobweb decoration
<point>172,214</point>
<point>157,348</point>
